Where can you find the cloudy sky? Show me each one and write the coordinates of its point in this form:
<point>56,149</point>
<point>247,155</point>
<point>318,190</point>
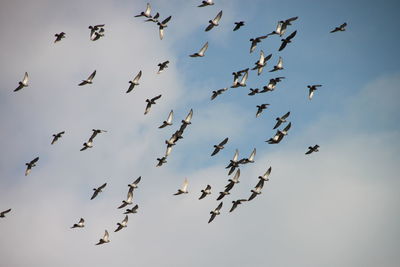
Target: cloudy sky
<point>337,207</point>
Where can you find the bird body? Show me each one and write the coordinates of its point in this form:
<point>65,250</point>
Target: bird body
<point>30,165</point>
<point>3,213</point>
<point>312,149</point>
<point>134,82</point>
<point>202,51</point>
<point>183,189</point>
<point>341,28</point>
<point>98,190</point>
<point>215,212</point>
<point>220,146</point>
<point>151,102</point>
<point>214,22</point>
<point>23,83</point>
<point>105,239</point>
<point>122,224</point>
<point>80,224</point>
<point>205,192</point>
<point>287,40</point>
<point>89,80</point>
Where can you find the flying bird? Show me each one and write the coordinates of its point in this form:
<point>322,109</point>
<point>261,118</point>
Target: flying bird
<point>128,200</point>
<point>151,102</point>
<point>250,159</point>
<point>161,161</point>
<point>280,120</point>
<point>134,185</point>
<point>255,41</point>
<point>98,190</point>
<point>89,143</point>
<point>236,203</point>
<point>105,239</point>
<point>205,192</point>
<point>271,84</point>
<point>279,135</point>
<point>30,165</point>
<point>265,175</point>
<point>218,92</point>
<point>57,136</point>
<point>80,224</point>
<point>312,149</point>
<point>97,34</point>
<point>154,18</point>
<point>312,88</point>
<point>278,66</point>
<point>223,193</point>
<point>341,28</point>
<point>202,51</point>
<point>234,163</point>
<point>183,189</point>
<point>254,91</point>
<point>162,66</point>
<point>238,25</point>
<point>206,3</point>
<point>260,109</point>
<point>162,25</point>
<point>89,80</point>
<point>168,122</point>
<point>215,212</point>
<point>188,118</point>
<point>235,179</point>
<point>145,13</point>
<point>220,146</point>
<point>287,40</point>
<point>3,213</point>
<point>260,64</point>
<point>236,76</point>
<point>134,82</point>
<point>123,224</point>
<point>59,36</point>
<point>23,83</point>
<point>132,210</point>
<point>214,22</point>
<point>242,82</point>
<point>257,190</point>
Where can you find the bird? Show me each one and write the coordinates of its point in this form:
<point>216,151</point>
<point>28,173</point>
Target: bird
<point>215,212</point>
<point>260,109</point>
<point>233,164</point>
<point>105,239</point>
<point>128,200</point>
<point>206,3</point>
<point>154,18</point>
<point>132,210</point>
<point>86,145</point>
<point>284,24</point>
<point>134,185</point>
<point>218,92</point>
<point>168,122</point>
<point>30,165</point>
<point>202,51</point>
<point>235,179</point>
<point>162,66</point>
<point>214,22</point>
<point>183,189</point>
<point>257,190</point>
<point>253,91</point>
<point>123,224</point>
<point>89,143</point>
<point>278,66</point>
<point>236,76</point>
<point>287,40</point>
<point>220,146</point>
<point>98,190</point>
<point>341,28</point>
<point>89,80</point>
<point>260,64</point>
<point>57,136</point>
<point>312,149</point>
<point>238,25</point>
<point>134,82</point>
<point>255,41</point>
<point>162,25</point>
<point>312,88</point>
<point>280,120</point>
<point>161,161</point>
<point>80,224</point>
<point>3,213</point>
<point>250,159</point>
<point>223,193</point>
<point>271,84</point>
<point>23,83</point>
<point>205,192</point>
<point>97,34</point>
<point>279,135</point>
<point>265,175</point>
<point>285,130</point>
<point>145,13</point>
<point>242,82</point>
<point>236,203</point>
<point>151,102</point>
<point>59,36</point>
<point>188,118</point>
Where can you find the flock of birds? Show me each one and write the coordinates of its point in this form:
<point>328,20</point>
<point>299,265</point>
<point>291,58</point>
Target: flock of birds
<point>239,80</point>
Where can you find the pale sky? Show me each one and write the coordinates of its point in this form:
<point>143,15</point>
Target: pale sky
<point>337,207</point>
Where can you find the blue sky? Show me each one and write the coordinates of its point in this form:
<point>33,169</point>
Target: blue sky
<point>338,207</point>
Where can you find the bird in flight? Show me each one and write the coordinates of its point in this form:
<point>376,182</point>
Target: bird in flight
<point>220,146</point>
<point>206,3</point>
<point>260,109</point>
<point>311,90</point>
<point>188,118</point>
<point>280,120</point>
<point>265,175</point>
<point>151,102</point>
<point>255,41</point>
<point>89,80</point>
<point>162,25</point>
<point>57,136</point>
<point>183,189</point>
<point>205,192</point>
<point>168,122</point>
<point>80,224</point>
<point>122,224</point>
<point>287,40</point>
<point>202,51</point>
<point>215,212</point>
<point>105,239</point>
<point>257,190</point>
<point>234,163</point>
<point>260,64</point>
<point>162,66</point>
<point>59,36</point>
<point>128,200</point>
<point>236,203</point>
<point>278,66</point>
<point>134,82</point>
<point>341,28</point>
<point>23,83</point>
<point>214,22</point>
<point>145,13</point>
<point>134,185</point>
<point>218,92</point>
<point>312,149</point>
<point>238,25</point>
<point>3,213</point>
<point>30,165</point>
<point>132,210</point>
<point>98,190</point>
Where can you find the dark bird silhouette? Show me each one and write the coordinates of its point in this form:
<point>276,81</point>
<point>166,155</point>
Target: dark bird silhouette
<point>23,83</point>
<point>220,146</point>
<point>214,22</point>
<point>59,36</point>
<point>89,80</point>
<point>3,213</point>
<point>341,28</point>
<point>236,203</point>
<point>205,192</point>
<point>80,224</point>
<point>312,149</point>
<point>98,190</point>
<point>30,165</point>
<point>238,25</point>
<point>215,212</point>
<point>151,102</point>
<point>57,136</point>
<point>287,40</point>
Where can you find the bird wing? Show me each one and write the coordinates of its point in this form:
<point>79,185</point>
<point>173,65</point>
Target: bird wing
<point>137,180</point>
<point>148,106</point>
<point>91,76</point>
<point>236,155</point>
<point>278,123</point>
<point>208,187</point>
<point>267,173</point>
<point>252,155</point>
<point>310,93</point>
<point>285,116</point>
<point>148,10</point>
<point>161,32</point>
<point>170,116</point>
<point>166,20</point>
<point>95,193</point>
<point>219,206</point>
<point>155,98</point>
<point>203,49</point>
<point>293,34</point>
<point>137,77</point>
<point>287,127</point>
<point>283,45</point>
<point>343,25</point>
<point>209,27</point>
<point>253,195</point>
<point>244,79</point>
<point>34,160</point>
<point>216,150</point>
<point>236,176</point>
<point>224,141</point>
<point>212,217</point>
<point>185,185</point>
<point>189,116</point>
<point>25,79</point>
<point>102,187</point>
<point>218,17</point>
<point>131,86</point>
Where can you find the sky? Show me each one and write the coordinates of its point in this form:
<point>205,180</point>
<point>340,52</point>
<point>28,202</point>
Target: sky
<point>337,207</point>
